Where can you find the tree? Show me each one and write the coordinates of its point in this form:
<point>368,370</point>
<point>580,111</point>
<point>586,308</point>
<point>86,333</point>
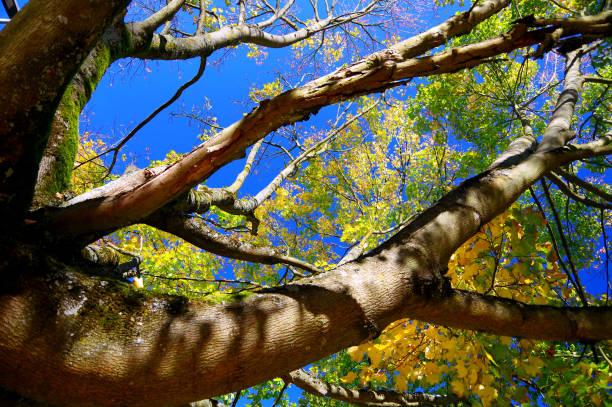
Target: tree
<point>73,335</point>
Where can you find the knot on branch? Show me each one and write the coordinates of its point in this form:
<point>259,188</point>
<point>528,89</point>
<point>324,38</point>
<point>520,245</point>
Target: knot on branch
<point>109,258</point>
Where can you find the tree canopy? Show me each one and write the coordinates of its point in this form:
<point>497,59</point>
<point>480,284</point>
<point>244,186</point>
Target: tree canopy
<point>440,238</point>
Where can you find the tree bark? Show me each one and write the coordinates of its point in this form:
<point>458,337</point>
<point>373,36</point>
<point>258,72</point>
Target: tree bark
<point>385,69</point>
<point>119,346</point>
<point>41,48</point>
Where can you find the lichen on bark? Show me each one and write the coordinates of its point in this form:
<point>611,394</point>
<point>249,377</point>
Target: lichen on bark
<point>56,166</point>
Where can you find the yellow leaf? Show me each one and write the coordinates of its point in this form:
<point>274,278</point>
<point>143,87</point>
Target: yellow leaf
<point>349,378</point>
<point>355,353</point>
<point>488,355</point>
<point>458,387</point>
<point>375,355</point>
<point>461,371</point>
<point>473,376</point>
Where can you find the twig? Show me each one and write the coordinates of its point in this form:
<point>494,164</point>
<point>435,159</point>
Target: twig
<point>131,134</point>
<point>280,394</point>
<point>204,280</point>
<point>578,286</point>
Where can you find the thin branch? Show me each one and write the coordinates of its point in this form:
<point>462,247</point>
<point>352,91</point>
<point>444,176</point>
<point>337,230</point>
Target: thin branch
<point>245,171</point>
<point>561,6</point>
<point>197,233</point>
<point>160,17</point>
<point>552,238</point>
<point>597,79</point>
<point>277,14</point>
<point>321,388</point>
<point>317,148</point>
<point>236,398</point>
<point>568,191</point>
<point>140,125</point>
<point>584,184</point>
<point>203,280</point>
<point>578,286</point>
<point>605,243</point>
<point>280,395</point>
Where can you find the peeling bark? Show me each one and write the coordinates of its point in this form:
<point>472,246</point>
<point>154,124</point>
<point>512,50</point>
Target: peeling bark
<point>375,73</point>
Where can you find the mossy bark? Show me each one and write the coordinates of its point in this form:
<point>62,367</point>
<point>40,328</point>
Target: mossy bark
<point>56,165</point>
<point>41,48</point>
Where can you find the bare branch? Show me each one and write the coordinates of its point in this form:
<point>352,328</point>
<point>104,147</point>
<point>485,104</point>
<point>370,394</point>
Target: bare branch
<point>578,285</point>
<point>158,18</point>
<point>233,189</point>
<point>278,13</point>
<point>584,184</point>
<point>385,398</point>
<point>194,231</point>
<point>596,79</point>
<point>314,150</point>
<point>558,132</point>
<point>150,117</point>
<point>203,280</point>
<point>568,191</point>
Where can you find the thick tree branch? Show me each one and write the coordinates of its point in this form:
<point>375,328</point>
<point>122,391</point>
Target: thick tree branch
<point>601,146</point>
<point>31,91</point>
<point>212,346</point>
<point>373,74</point>
<point>320,388</point>
<point>54,172</point>
<point>558,132</point>
<point>168,47</point>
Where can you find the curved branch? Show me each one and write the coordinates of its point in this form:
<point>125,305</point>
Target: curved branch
<point>577,283</point>
<point>585,185</point>
<point>278,13</point>
<point>150,117</point>
<point>567,191</point>
<point>265,193</point>
<point>233,189</point>
<point>320,388</point>
<point>597,148</point>
<point>168,47</point>
<point>379,71</point>
<point>194,231</point>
